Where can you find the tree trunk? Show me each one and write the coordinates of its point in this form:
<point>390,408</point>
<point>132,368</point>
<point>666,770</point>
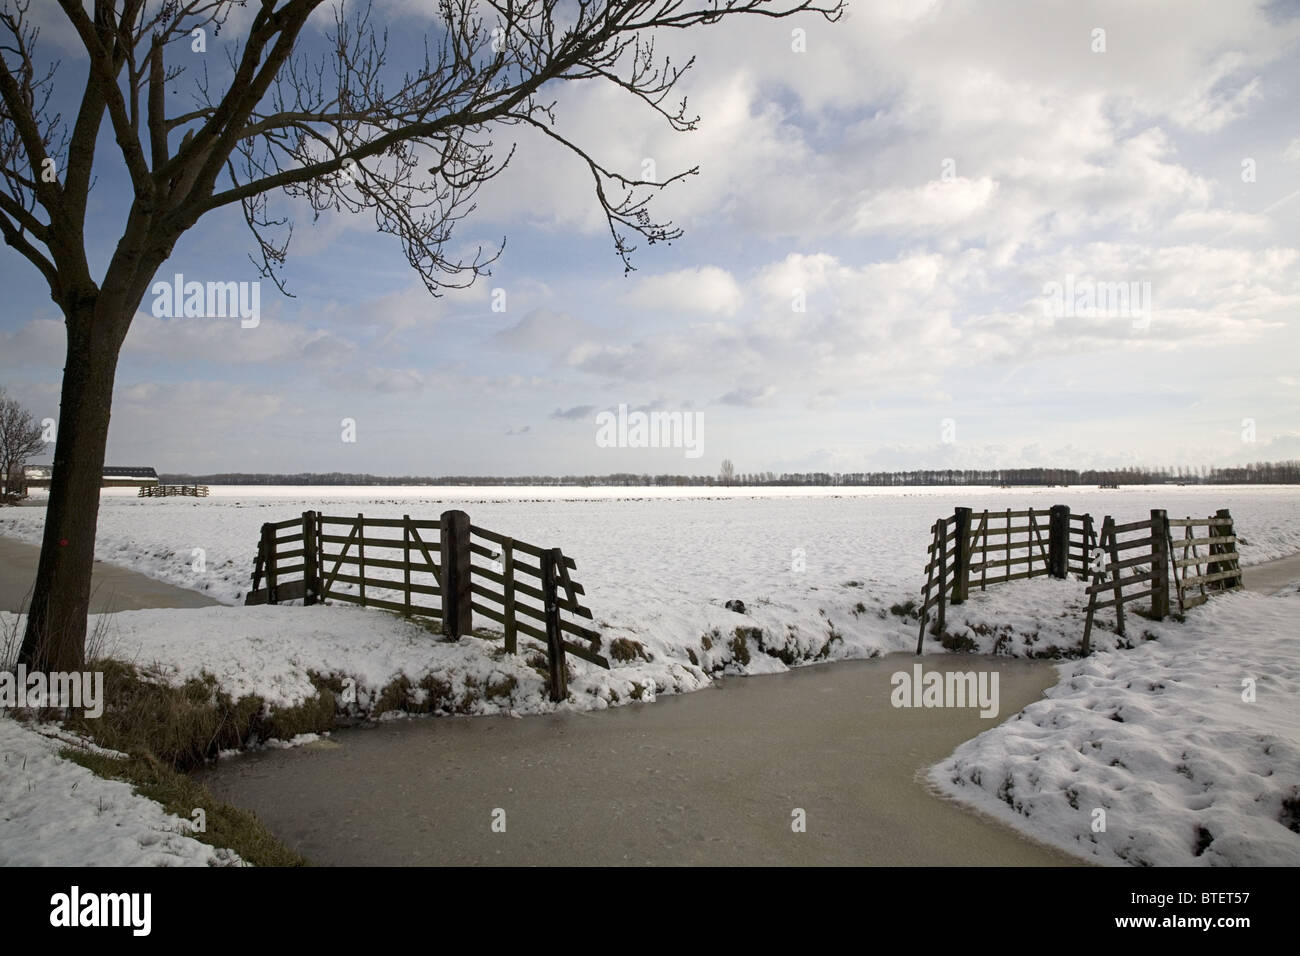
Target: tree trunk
<point>55,639</point>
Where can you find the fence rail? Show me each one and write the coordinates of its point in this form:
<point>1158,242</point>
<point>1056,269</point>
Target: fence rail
<point>360,560</point>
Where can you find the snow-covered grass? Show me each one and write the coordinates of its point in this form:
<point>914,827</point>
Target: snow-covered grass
<point>272,652</point>
<point>658,565</point>
<point>1161,738</point>
<point>54,812</point>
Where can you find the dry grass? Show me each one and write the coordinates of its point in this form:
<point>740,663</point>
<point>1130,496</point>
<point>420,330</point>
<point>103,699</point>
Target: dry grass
<point>188,724</point>
<point>225,826</point>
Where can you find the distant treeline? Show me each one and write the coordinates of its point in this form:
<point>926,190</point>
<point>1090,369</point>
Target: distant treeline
<point>1260,473</point>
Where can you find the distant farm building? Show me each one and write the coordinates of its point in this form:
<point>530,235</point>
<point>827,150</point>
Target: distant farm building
<point>39,477</point>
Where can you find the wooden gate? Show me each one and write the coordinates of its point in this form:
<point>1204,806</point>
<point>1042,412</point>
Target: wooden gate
<point>1220,560</point>
<point>429,572</point>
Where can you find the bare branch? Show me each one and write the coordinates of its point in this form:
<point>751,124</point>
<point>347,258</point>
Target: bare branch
<point>340,130</point>
<point>14,238</point>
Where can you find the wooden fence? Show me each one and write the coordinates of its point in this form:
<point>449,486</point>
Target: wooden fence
<point>167,491</point>
<point>1131,563</point>
<point>1157,563</point>
<point>519,587</point>
<point>1221,561</point>
<point>430,571</point>
<point>1126,563</point>
<point>993,547</point>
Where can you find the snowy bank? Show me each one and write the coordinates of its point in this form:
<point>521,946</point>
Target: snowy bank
<point>54,812</point>
<point>1163,743</point>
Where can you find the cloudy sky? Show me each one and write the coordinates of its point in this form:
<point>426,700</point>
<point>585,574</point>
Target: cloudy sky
<point>903,250</point>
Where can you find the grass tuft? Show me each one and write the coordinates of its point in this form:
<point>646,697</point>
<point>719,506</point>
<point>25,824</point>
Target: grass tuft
<point>623,649</point>
<point>186,725</point>
<point>740,643</point>
<point>906,609</point>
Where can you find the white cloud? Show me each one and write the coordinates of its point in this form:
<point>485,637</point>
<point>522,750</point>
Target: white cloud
<point>703,290</point>
<point>545,330</point>
<point>749,396</point>
<point>39,342</point>
<point>272,341</point>
<point>936,203</point>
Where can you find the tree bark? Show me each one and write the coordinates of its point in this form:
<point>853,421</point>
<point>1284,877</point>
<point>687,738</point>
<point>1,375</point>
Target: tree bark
<point>55,639</point>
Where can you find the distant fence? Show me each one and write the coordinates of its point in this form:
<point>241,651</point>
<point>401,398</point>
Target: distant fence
<point>430,571</point>
<point>1127,562</point>
<point>167,491</point>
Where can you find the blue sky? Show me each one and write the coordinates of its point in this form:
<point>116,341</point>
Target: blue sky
<point>920,174</point>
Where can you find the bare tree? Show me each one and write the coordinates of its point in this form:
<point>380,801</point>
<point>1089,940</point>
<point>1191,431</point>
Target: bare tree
<point>727,472</point>
<point>343,130</point>
<point>20,438</point>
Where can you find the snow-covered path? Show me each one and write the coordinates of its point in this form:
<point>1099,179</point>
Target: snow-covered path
<point>113,588</point>
<point>1273,576</point>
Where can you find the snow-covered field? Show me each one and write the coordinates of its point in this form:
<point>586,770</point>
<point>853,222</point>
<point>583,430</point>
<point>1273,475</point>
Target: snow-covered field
<point>1151,734</point>
<point>659,564</point>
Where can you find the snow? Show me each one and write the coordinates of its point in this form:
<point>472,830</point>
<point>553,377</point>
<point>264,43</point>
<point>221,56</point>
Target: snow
<point>659,564</point>
<point>271,651</point>
<point>818,570</point>
<point>54,812</point>
<point>1159,737</point>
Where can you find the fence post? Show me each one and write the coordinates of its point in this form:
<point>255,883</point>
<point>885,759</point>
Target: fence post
<point>961,557</point>
<point>1159,564</point>
<point>318,530</point>
<point>1089,543</point>
<point>361,557</point>
<point>258,565</point>
<point>457,617</point>
<point>508,594</point>
<point>1223,530</point>
<point>268,549</point>
<point>929,579</point>
<point>1112,565</point>
<point>406,564</point>
<point>310,568</point>
<point>1212,567</point>
<point>1032,535</point>
<point>984,550</point>
<point>1058,541</point>
<point>554,639</point>
<point>943,576</point>
<point>1232,549</point>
